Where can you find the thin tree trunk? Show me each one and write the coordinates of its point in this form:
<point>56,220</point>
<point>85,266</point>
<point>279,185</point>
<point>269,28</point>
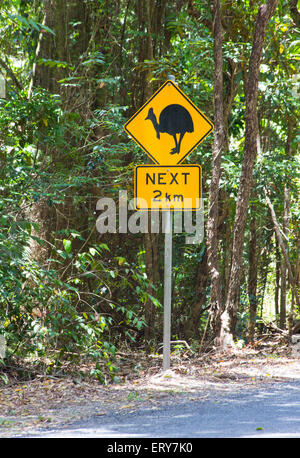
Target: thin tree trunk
<point>229,315</point>
<point>152,264</point>
<point>277,281</point>
<point>200,298</point>
<point>282,246</point>
<point>226,258</point>
<point>252,278</point>
<point>285,228</point>
<point>264,258</point>
<point>148,88</point>
<point>151,240</point>
<point>8,71</point>
<point>291,314</point>
<point>213,214</point>
<point>282,313</point>
<point>286,222</point>
<point>294,328</point>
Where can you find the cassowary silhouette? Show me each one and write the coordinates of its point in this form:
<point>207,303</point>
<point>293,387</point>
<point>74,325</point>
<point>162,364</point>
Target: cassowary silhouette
<point>173,120</point>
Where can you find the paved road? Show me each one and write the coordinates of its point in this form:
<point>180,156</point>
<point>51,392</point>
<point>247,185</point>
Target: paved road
<point>273,411</point>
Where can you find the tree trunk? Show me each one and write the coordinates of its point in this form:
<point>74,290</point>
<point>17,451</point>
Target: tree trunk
<point>293,328</point>
<point>277,282</point>
<point>151,248</point>
<point>151,240</point>
<point>213,213</point>
<point>283,249</point>
<point>291,314</point>
<point>53,47</point>
<point>149,55</point>
<point>252,277</point>
<point>285,227</point>
<point>229,315</point>
<point>286,221</point>
<point>197,309</point>
<point>282,313</point>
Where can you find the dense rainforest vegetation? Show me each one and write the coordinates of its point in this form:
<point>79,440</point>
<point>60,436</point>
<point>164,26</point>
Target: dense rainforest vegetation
<point>72,73</point>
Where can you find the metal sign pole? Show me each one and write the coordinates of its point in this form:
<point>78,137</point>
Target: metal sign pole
<point>167,290</point>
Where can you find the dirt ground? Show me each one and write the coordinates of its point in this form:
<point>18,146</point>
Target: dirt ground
<point>51,401</point>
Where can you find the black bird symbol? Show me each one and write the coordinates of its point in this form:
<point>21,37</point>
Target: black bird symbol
<point>173,120</point>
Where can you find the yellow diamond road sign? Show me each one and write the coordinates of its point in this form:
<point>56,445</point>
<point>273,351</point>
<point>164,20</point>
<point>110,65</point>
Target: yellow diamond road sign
<point>167,187</point>
<point>168,126</point>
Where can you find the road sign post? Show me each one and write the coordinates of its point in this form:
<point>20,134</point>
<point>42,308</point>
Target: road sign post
<point>167,290</point>
<point>168,127</point>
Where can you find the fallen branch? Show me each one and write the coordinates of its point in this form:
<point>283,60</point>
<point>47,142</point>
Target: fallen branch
<point>254,344</point>
<point>178,342</point>
<point>273,326</point>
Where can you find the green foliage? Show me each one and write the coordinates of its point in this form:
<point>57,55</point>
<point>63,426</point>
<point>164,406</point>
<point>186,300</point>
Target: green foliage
<point>67,292</point>
<point>48,307</point>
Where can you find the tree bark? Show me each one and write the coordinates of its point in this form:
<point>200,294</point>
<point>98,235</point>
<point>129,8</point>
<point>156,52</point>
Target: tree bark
<point>229,315</point>
<point>49,46</point>
<point>213,213</point>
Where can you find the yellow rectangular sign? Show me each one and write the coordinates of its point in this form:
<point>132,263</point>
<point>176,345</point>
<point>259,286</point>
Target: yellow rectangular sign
<point>168,187</point>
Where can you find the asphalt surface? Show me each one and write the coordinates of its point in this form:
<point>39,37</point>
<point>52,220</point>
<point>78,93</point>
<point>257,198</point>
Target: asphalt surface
<point>271,411</point>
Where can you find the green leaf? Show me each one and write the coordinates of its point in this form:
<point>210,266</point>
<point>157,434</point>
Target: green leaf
<point>104,246</point>
<point>67,245</point>
<point>154,301</point>
<point>120,260</point>
<point>33,24</point>
<point>43,26</point>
